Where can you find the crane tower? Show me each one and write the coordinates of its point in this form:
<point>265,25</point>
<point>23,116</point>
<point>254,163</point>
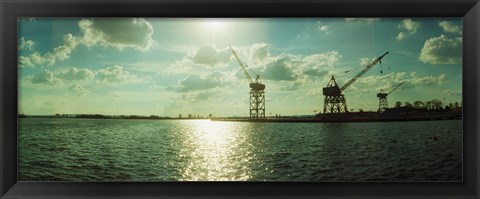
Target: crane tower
<point>382,98</point>
<point>335,101</point>
<point>257,92</point>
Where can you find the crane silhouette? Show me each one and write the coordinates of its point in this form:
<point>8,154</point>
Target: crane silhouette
<point>382,98</point>
<point>257,91</point>
<point>335,101</point>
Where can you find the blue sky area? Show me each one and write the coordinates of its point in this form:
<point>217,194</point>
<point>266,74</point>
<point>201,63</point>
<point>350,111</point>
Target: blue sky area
<point>166,67</point>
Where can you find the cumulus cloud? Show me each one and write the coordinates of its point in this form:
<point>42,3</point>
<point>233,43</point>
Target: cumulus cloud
<point>452,93</point>
<point>156,87</point>
<point>25,61</point>
<point>442,50</point>
<point>26,44</point>
<point>114,75</point>
<point>209,55</point>
<point>319,65</point>
<point>450,27</point>
<point>280,68</point>
<point>178,67</point>
<point>409,27</point>
<point>196,82</point>
<point>323,29</point>
<point>428,80</point>
<point>291,86</point>
<point>61,53</point>
<point>288,67</point>
<point>45,77</point>
<point>77,74</point>
<point>259,53</point>
<point>368,20</point>
<point>117,32</point>
<point>78,89</point>
<point>388,81</point>
<point>199,95</point>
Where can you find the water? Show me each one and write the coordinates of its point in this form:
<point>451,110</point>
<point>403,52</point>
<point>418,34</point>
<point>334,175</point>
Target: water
<point>66,149</point>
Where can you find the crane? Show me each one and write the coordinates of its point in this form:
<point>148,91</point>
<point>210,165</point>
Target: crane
<point>257,91</point>
<point>382,98</point>
<point>335,101</point>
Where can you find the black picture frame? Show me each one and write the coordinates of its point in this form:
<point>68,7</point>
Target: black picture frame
<point>11,9</point>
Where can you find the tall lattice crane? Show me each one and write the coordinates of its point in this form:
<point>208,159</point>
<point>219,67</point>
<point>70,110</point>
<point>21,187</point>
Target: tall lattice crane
<point>257,92</point>
<point>382,98</point>
<point>335,101</point>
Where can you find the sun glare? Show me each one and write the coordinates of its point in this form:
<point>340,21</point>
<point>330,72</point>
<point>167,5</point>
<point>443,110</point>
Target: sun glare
<point>214,25</point>
<point>215,147</point>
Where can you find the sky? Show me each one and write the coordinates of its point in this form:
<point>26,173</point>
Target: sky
<point>172,66</point>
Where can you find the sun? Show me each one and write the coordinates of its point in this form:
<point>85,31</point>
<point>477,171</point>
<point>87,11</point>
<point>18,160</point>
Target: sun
<point>214,25</point>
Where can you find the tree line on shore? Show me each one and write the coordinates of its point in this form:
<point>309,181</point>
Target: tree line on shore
<point>101,116</point>
<point>434,105</point>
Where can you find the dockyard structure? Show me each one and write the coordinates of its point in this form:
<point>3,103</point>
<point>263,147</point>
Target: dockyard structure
<point>382,98</point>
<point>335,101</point>
<point>257,91</point>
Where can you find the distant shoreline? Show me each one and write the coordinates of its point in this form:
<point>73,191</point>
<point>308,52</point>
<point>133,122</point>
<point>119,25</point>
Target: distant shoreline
<point>98,116</point>
<point>348,117</point>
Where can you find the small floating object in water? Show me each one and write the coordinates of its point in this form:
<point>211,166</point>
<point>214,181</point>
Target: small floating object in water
<point>434,138</point>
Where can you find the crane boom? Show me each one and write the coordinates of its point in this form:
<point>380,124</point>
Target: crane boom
<point>243,67</point>
<point>364,70</point>
<point>395,88</point>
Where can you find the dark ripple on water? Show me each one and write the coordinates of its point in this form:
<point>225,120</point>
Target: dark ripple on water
<point>155,150</point>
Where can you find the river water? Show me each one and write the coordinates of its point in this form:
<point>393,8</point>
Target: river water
<point>67,149</point>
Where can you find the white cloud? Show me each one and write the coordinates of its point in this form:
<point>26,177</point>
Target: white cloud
<point>115,75</point>
<point>45,77</point>
<point>409,27</point>
<point>291,86</point>
<point>365,60</point>
<point>323,28</point>
<point>156,87</point>
<point>209,55</point>
<point>280,68</point>
<point>320,64</point>
<point>450,27</point>
<point>295,69</point>
<point>59,53</point>
<point>180,66</point>
<point>368,20</point>
<point>25,62</point>
<point>63,52</point>
<point>388,81</point>
<point>26,44</point>
<point>77,74</point>
<point>288,67</point>
<point>428,80</point>
<point>442,50</point>
<point>196,82</point>
<point>117,32</point>
<point>78,89</point>
<point>197,96</point>
<point>452,93</point>
<point>259,53</point>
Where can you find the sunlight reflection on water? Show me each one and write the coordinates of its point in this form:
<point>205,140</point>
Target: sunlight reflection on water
<point>215,146</point>
<point>65,149</point>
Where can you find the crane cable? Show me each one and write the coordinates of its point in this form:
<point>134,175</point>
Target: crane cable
<point>348,71</point>
<point>257,80</point>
